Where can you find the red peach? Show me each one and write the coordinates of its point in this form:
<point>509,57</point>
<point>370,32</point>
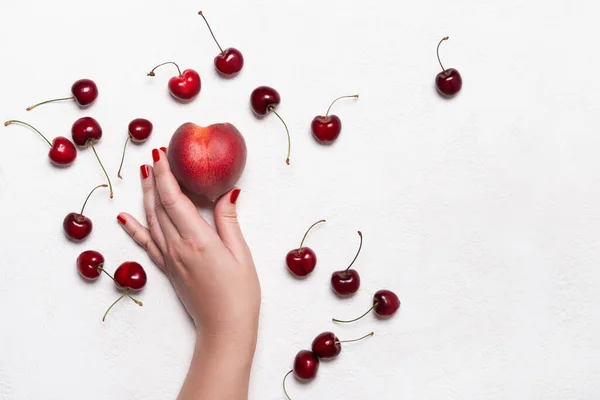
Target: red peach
<point>207,161</point>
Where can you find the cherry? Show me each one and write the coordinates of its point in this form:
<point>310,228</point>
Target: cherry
<point>84,91</point>
<point>90,264</point>
<point>306,366</point>
<point>263,100</point>
<point>230,61</point>
<point>328,346</point>
<point>183,87</point>
<point>347,282</point>
<point>302,261</point>
<point>62,152</point>
<point>385,304</point>
<point>77,226</point>
<point>139,131</point>
<point>448,82</point>
<point>85,131</point>
<point>130,276</point>
<point>327,128</point>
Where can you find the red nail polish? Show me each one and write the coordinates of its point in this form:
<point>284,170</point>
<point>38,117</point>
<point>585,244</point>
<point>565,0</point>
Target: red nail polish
<point>155,155</point>
<point>234,195</point>
<point>164,149</point>
<point>121,219</point>
<point>145,170</point>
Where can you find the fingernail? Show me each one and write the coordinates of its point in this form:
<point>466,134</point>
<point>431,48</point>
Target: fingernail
<point>121,219</point>
<point>145,170</point>
<point>155,155</point>
<point>164,149</point>
<point>234,195</point>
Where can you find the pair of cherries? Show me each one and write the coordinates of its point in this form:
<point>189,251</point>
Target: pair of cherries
<point>186,86</point>
<point>129,276</point>
<point>325,128</point>
<point>303,260</point>
<point>325,346</point>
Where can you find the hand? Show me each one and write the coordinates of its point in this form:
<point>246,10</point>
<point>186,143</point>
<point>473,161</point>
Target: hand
<point>212,272</point>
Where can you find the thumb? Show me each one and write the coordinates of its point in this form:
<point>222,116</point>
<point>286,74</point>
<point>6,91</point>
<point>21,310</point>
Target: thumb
<point>228,227</point>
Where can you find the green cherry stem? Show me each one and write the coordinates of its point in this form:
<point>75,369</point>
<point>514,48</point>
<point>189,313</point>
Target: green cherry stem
<point>123,157</point>
<point>306,233</point>
<point>287,160</point>
<point>49,101</point>
<point>200,13</point>
<point>15,121</point>
<point>90,195</point>
<point>438,51</point>
<point>103,169</point>
<point>284,389</point>
<point>353,96</point>
<point>355,340</point>
<point>355,319</point>
<point>151,73</point>
<point>113,304</point>
<point>357,253</point>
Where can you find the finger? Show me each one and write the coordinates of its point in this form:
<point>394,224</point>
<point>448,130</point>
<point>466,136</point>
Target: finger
<point>228,226</point>
<point>150,208</point>
<point>165,225</point>
<point>141,235</point>
<point>178,206</point>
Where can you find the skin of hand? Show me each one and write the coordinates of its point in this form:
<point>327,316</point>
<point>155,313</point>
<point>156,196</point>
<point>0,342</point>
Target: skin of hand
<point>213,274</point>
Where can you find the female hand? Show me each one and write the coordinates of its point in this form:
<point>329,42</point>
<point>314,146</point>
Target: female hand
<point>212,271</point>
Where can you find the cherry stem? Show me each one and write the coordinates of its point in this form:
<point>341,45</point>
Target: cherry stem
<point>306,233</point>
<point>356,319</point>
<point>287,160</point>
<point>355,340</point>
<point>49,101</point>
<point>151,73</point>
<point>113,304</point>
<point>211,32</point>
<point>103,169</point>
<point>139,303</point>
<point>438,51</point>
<point>354,96</point>
<point>357,253</point>
<point>123,158</point>
<point>14,121</point>
<point>90,195</point>
<point>284,389</point>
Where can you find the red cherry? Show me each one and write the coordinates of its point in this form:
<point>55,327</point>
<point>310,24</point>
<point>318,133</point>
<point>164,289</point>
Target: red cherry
<point>265,99</point>
<point>328,346</point>
<point>448,82</point>
<point>84,91</point>
<point>130,276</point>
<point>185,86</point>
<point>230,61</point>
<point>77,226</point>
<point>62,152</point>
<point>302,261</point>
<point>347,282</point>
<point>306,365</point>
<point>86,131</point>
<point>90,264</point>
<point>327,128</point>
<point>140,130</point>
<point>385,304</point>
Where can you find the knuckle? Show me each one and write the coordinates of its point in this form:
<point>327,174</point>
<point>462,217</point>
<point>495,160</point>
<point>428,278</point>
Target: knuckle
<point>152,220</point>
<point>168,200</point>
<point>193,244</point>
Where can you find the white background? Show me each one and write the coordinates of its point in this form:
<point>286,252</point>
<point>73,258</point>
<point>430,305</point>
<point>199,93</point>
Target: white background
<point>481,212</point>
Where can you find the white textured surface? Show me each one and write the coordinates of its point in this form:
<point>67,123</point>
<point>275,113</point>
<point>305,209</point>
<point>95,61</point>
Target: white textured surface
<point>481,212</point>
